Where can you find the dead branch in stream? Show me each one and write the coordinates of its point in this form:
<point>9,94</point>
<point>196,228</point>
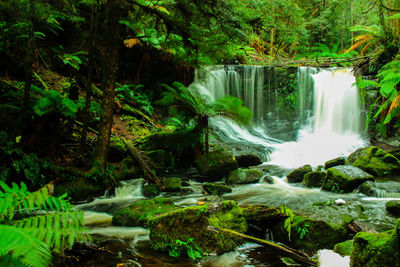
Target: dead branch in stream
<point>136,155</point>
<point>284,250</point>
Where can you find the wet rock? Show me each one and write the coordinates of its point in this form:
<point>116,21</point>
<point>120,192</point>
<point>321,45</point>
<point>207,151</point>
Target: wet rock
<point>139,213</point>
<point>192,222</point>
<point>375,161</point>
<point>297,175</point>
<point>345,179</point>
<point>314,179</point>
<point>267,179</point>
<point>381,249</point>
<point>244,176</point>
<point>161,159</point>
<point>387,189</point>
<point>216,189</point>
<point>247,160</point>
<point>150,190</point>
<point>335,162</point>
<point>172,184</point>
<point>116,150</point>
<point>274,170</point>
<point>216,164</point>
<point>393,207</point>
<point>344,248</point>
<point>262,216</point>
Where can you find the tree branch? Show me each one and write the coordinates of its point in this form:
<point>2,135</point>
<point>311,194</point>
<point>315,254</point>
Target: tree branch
<point>388,7</point>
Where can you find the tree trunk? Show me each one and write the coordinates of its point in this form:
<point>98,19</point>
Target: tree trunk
<point>113,9</point>
<point>396,5</point>
<point>88,86</point>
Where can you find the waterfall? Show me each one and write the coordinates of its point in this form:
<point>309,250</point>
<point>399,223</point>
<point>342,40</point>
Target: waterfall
<point>328,121</point>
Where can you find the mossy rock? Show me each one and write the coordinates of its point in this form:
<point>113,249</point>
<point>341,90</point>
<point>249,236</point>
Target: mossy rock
<point>393,207</point>
<point>135,126</point>
<point>334,162</point>
<point>216,189</point>
<point>216,164</point>
<point>314,179</point>
<point>370,249</point>
<point>262,216</point>
<point>247,160</point>
<point>130,169</point>
<point>344,179</point>
<point>172,184</point>
<point>375,161</point>
<point>139,213</point>
<point>150,190</point>
<point>244,176</point>
<point>192,222</point>
<point>297,175</point>
<point>344,248</point>
<point>385,189</point>
<point>309,234</point>
<point>116,150</point>
<point>161,159</point>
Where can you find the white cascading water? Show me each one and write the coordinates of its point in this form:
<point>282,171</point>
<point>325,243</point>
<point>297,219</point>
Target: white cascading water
<point>334,129</point>
<point>329,111</point>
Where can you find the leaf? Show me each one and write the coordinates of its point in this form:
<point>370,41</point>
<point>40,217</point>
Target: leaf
<point>131,42</point>
<point>395,16</point>
<point>387,89</point>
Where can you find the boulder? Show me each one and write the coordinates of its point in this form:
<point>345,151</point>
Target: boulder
<point>216,164</point>
<point>116,150</point>
<point>393,207</point>
<point>334,162</point>
<point>150,190</point>
<point>375,161</point>
<point>247,160</point>
<point>216,189</point>
<point>297,175</point>
<point>344,248</point>
<point>244,176</point>
<point>262,216</point>
<point>387,189</point>
<point>192,223</point>
<point>314,179</point>
<point>345,178</point>
<point>172,184</point>
<point>139,213</point>
<point>162,160</point>
<point>370,249</point>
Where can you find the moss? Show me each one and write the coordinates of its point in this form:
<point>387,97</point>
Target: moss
<point>192,222</point>
<point>314,179</point>
<point>344,179</point>
<point>216,164</point>
<point>262,216</point>
<point>130,169</point>
<point>297,175</point>
<point>216,189</point>
<point>393,207</point>
<point>344,248</point>
<point>162,160</point>
<point>116,150</point>
<point>135,126</point>
<point>172,184</point>
<point>375,161</point>
<point>334,162</point>
<point>139,213</point>
<point>150,190</point>
<point>244,176</point>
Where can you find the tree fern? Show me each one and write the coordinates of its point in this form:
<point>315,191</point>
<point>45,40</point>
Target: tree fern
<point>38,223</point>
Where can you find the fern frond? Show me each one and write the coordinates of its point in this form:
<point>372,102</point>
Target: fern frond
<point>28,249</point>
<point>395,104</point>
<point>362,84</point>
<point>131,42</point>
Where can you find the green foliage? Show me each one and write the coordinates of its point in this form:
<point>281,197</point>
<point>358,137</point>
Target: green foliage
<point>289,220</point>
<point>74,60</point>
<point>34,224</point>
<point>55,102</point>
<point>190,247</point>
<point>130,94</point>
<point>302,230</point>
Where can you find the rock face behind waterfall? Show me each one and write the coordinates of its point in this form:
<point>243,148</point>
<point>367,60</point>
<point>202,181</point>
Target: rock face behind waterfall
<point>375,161</point>
<point>345,179</point>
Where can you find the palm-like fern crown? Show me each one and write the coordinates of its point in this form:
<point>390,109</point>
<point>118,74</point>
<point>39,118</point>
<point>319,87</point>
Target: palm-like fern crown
<point>33,224</point>
<point>201,107</point>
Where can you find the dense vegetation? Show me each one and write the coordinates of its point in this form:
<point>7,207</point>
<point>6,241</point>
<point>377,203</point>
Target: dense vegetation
<point>86,81</point>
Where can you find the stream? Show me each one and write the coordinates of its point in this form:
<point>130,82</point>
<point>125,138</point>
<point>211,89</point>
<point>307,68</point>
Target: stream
<point>328,124</point>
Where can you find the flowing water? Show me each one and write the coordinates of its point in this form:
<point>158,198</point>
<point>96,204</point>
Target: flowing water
<point>328,124</point>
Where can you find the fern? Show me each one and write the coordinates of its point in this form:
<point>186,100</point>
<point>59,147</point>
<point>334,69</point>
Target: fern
<point>37,222</point>
<point>54,101</point>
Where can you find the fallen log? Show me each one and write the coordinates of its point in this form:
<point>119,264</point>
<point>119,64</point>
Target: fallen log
<point>136,155</point>
<point>284,250</point>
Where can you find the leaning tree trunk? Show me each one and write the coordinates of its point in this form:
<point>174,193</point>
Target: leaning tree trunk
<point>110,64</point>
